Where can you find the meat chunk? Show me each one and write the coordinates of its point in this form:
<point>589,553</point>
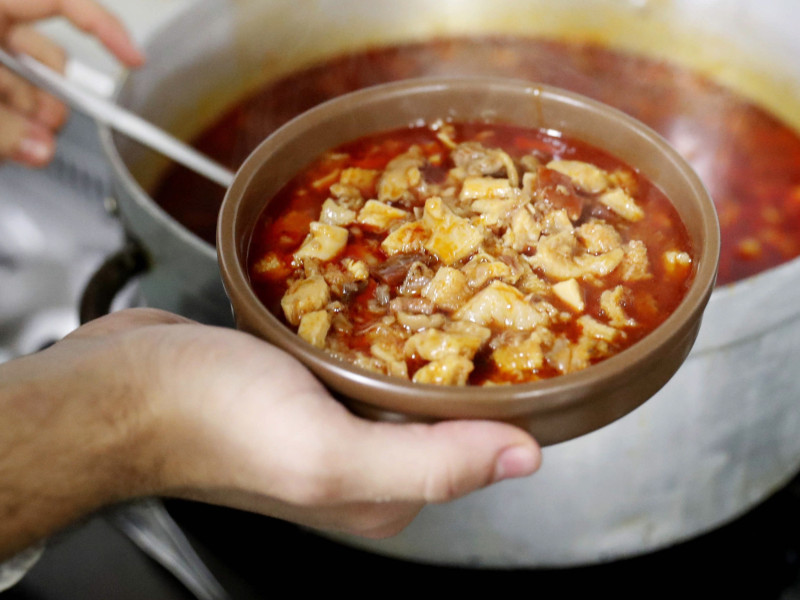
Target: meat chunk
<point>555,256</point>
<point>555,191</point>
<point>409,238</point>
<point>380,216</point>
<point>557,221</point>
<point>347,196</point>
<point>450,370</point>
<point>334,213</point>
<point>622,203</point>
<point>523,232</point>
<point>601,264</point>
<point>611,301</point>
<point>412,305</point>
<point>434,344</point>
<point>314,327</point>
<point>559,257</point>
<point>271,266</point>
<point>451,237</point>
<point>323,242</point>
<point>520,359</point>
<point>417,322</point>
<point>390,354</point>
<point>417,278</point>
<point>493,213</point>
<point>475,159</point>
<point>598,238</point>
<point>362,179</point>
<point>346,277</point>
<point>395,269</point>
<point>483,268</point>
<point>305,296</point>
<point>635,264</point>
<point>597,330</point>
<point>486,188</point>
<point>500,305</point>
<point>569,357</point>
<point>585,176</point>
<point>401,175</point>
<point>448,289</point>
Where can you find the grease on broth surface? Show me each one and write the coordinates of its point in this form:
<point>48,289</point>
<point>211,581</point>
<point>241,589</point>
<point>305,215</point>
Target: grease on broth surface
<point>470,253</point>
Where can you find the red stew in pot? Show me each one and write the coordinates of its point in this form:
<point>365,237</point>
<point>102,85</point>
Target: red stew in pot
<point>470,253</point>
<point>748,159</point>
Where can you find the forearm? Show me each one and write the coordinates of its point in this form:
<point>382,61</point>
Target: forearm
<point>65,443</point>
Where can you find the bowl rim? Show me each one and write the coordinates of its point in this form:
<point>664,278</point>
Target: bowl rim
<point>538,397</point>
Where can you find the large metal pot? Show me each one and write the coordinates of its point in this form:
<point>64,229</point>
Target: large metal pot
<point>719,438</point>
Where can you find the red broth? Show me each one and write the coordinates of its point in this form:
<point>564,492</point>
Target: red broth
<point>748,159</point>
<point>388,304</point>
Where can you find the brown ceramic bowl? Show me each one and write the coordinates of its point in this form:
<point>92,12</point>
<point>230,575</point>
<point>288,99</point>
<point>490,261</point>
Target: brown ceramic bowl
<point>553,410</point>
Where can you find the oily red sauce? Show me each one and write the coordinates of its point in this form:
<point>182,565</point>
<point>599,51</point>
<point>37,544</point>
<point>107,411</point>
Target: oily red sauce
<point>282,228</point>
<point>748,159</point>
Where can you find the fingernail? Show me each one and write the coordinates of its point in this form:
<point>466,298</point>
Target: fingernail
<point>36,148</point>
<point>516,461</point>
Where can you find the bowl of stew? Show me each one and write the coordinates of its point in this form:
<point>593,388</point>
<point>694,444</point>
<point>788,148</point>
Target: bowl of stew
<point>473,248</point>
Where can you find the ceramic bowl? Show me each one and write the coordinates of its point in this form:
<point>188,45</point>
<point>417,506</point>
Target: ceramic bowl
<point>553,410</point>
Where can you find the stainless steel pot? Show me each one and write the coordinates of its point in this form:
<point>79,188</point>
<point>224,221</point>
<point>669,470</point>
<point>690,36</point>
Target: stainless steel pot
<point>720,437</point>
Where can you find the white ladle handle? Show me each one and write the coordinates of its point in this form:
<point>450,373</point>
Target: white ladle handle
<point>116,117</point>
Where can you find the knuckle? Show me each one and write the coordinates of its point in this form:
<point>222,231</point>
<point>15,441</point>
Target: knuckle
<point>380,521</point>
<point>315,480</point>
<point>442,483</point>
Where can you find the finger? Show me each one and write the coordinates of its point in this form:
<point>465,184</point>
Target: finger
<point>16,93</point>
<point>46,109</point>
<point>84,14</point>
<point>378,491</point>
<point>366,519</point>
<point>28,101</point>
<point>24,140</point>
<point>434,463</point>
<point>26,40</point>
<point>325,456</point>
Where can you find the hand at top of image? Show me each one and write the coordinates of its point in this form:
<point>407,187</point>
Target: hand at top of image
<point>30,118</point>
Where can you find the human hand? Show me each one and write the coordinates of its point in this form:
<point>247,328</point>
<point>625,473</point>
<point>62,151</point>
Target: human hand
<point>29,117</point>
<point>246,425</point>
<point>142,402</point>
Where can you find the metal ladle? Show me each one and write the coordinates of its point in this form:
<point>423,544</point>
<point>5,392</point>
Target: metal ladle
<point>114,116</point>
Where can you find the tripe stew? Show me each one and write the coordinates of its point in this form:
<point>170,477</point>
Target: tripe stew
<point>470,253</point>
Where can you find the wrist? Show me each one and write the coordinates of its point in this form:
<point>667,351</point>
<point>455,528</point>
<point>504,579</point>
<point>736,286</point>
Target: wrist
<point>72,426</point>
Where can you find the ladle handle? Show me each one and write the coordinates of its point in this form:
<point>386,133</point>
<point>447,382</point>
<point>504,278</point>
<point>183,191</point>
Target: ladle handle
<point>115,117</point>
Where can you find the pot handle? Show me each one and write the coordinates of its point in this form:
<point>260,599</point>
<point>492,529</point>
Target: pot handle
<point>109,279</point>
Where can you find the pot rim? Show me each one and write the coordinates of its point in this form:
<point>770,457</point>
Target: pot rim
<point>142,198</point>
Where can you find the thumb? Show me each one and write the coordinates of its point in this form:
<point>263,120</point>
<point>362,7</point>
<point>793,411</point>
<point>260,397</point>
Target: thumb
<point>439,462</point>
<point>24,140</point>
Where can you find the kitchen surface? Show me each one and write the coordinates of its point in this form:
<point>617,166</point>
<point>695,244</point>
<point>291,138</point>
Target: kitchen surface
<point>59,224</point>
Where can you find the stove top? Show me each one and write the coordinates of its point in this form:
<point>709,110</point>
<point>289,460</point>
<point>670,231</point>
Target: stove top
<point>54,231</point>
<point>757,556</point>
